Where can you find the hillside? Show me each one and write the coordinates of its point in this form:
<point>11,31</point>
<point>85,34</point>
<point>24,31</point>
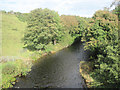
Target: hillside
<point>12,34</point>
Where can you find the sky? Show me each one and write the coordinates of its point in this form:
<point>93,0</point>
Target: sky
<point>83,8</point>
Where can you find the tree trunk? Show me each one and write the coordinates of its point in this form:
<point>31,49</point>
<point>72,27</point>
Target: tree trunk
<point>55,42</point>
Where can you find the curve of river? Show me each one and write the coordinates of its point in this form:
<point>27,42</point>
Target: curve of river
<point>59,70</point>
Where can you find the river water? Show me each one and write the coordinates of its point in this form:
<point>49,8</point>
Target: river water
<point>58,70</point>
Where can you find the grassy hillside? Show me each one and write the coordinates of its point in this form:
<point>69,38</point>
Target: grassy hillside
<point>12,49</point>
<point>12,34</point>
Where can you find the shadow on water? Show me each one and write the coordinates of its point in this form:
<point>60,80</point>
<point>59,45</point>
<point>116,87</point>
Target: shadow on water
<point>59,70</point>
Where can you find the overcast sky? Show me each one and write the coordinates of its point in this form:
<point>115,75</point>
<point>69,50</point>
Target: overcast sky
<point>84,8</point>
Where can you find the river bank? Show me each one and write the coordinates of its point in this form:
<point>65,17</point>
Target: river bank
<point>58,70</point>
<point>86,68</point>
<point>10,70</point>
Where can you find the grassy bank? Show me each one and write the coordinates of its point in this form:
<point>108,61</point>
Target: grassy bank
<point>17,61</point>
<point>12,69</point>
<point>18,68</point>
<point>50,48</point>
<point>85,70</point>
<point>14,59</point>
<point>12,34</point>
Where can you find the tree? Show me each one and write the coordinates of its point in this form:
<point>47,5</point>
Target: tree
<point>75,24</point>
<point>43,27</point>
<point>102,39</point>
<point>70,23</point>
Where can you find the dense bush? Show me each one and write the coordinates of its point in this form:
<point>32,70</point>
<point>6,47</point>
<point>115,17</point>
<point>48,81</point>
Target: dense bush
<point>10,70</point>
<point>102,39</point>
<point>22,16</point>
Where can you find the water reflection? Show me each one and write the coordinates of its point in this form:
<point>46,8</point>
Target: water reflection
<point>57,70</point>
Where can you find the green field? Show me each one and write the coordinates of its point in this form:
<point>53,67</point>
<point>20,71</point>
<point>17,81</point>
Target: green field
<point>12,34</point>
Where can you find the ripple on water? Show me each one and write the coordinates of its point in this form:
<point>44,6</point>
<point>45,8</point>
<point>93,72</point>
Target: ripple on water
<point>60,69</point>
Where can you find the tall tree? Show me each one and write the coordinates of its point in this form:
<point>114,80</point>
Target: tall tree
<point>43,27</point>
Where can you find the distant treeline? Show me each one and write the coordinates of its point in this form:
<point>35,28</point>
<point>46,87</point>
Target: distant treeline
<point>21,16</point>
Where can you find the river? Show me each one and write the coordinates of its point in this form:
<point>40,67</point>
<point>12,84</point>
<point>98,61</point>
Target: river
<point>58,70</point>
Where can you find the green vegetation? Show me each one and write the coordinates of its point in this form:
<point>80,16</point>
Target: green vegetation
<point>12,49</point>
<point>12,34</point>
<point>12,69</point>
<point>85,69</point>
<point>13,29</point>
<point>99,33</point>
<point>101,39</point>
<point>22,16</point>
<point>43,28</point>
<point>43,31</point>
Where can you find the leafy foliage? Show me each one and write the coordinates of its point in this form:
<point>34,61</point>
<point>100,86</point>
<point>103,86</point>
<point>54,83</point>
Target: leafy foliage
<point>12,69</point>
<point>69,21</point>
<point>102,39</point>
<point>43,27</point>
<point>47,31</point>
<point>22,16</point>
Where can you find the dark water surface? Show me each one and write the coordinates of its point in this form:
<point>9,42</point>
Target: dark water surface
<point>59,70</point>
